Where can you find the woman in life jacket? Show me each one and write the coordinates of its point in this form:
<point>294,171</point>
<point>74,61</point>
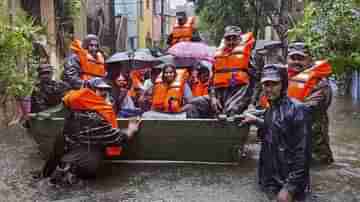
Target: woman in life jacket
<point>172,92</point>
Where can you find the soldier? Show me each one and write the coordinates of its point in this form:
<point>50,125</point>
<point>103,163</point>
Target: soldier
<point>309,83</point>
<point>48,92</point>
<point>90,133</point>
<point>230,90</point>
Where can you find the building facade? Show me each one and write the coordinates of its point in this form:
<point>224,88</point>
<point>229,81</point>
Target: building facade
<point>145,23</point>
<point>129,9</point>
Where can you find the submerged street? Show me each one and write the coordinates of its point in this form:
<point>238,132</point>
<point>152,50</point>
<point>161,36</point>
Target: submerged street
<point>339,182</point>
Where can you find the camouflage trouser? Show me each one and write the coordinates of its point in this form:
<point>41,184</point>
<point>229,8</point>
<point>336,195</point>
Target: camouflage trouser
<point>321,151</point>
<point>234,100</point>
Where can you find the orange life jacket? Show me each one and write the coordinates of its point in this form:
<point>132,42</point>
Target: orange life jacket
<point>169,98</point>
<point>86,99</point>
<point>200,89</point>
<point>90,66</point>
<point>231,68</point>
<point>183,32</point>
<point>301,85</point>
<point>136,84</point>
<point>183,72</point>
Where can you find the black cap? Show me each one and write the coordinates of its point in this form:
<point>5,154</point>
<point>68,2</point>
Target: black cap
<point>298,48</point>
<point>232,31</point>
<point>271,72</point>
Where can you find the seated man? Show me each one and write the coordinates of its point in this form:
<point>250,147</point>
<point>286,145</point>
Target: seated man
<point>48,92</point>
<point>230,91</point>
<point>90,131</point>
<point>183,30</point>
<point>86,62</point>
<point>172,92</point>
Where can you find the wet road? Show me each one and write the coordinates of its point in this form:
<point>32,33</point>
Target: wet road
<point>339,182</point>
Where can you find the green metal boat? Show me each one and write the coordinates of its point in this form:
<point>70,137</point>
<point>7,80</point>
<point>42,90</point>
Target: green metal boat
<point>180,140</point>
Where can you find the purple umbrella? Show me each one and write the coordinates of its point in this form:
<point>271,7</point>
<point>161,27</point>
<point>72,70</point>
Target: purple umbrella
<point>195,50</point>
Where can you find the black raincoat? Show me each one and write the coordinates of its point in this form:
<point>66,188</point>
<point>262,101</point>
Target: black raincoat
<point>285,148</point>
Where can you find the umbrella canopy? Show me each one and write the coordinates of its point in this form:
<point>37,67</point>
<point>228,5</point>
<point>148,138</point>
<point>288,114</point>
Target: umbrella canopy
<point>144,59</point>
<point>121,57</point>
<point>133,60</point>
<point>196,50</point>
<point>138,59</point>
<point>179,62</point>
<point>128,60</point>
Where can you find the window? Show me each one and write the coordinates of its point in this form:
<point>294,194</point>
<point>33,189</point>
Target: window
<point>148,40</point>
<point>147,4</point>
<point>141,9</point>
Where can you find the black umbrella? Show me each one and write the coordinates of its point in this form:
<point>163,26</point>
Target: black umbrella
<point>118,62</point>
<point>121,57</point>
<point>128,60</point>
<point>135,60</point>
<point>143,59</point>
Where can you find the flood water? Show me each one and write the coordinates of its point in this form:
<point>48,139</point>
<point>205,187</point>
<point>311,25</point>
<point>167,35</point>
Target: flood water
<point>339,182</point>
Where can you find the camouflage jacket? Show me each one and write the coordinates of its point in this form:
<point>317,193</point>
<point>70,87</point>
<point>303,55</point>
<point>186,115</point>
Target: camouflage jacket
<point>47,94</point>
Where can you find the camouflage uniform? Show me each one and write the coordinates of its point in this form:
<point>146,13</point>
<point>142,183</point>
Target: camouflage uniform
<point>319,101</point>
<point>47,95</point>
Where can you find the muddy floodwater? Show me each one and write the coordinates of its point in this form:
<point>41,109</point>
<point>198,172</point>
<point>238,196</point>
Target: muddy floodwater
<point>339,182</point>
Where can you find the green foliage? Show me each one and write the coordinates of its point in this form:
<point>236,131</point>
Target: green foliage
<point>74,8</point>
<point>68,8</point>
<point>331,30</point>
<point>16,61</point>
<point>215,15</point>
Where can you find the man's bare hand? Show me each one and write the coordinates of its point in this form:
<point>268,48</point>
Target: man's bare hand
<point>248,119</point>
<point>133,127</point>
<point>284,196</point>
<point>215,104</point>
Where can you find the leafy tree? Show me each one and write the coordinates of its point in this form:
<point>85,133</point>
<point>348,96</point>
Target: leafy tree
<point>250,15</point>
<point>331,29</point>
<point>17,62</point>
